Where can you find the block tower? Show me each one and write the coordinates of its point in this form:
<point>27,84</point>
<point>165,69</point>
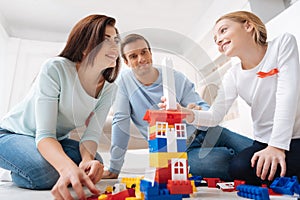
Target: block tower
<point>167,143</point>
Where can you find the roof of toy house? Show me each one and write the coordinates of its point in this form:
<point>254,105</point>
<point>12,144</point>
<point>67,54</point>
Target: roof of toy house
<point>170,116</point>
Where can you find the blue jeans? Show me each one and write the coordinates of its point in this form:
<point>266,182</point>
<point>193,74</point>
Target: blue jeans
<point>211,151</point>
<point>29,169</point>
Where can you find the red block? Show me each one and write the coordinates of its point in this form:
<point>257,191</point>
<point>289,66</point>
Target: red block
<point>162,175</point>
<point>238,182</point>
<point>212,182</point>
<point>180,187</point>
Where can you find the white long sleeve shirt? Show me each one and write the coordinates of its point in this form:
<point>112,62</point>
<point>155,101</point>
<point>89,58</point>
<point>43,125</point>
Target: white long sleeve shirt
<point>274,100</point>
<point>57,103</point>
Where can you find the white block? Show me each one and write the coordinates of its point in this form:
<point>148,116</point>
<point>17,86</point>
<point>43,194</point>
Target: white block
<point>169,84</point>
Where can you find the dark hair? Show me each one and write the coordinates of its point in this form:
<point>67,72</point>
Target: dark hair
<point>85,39</point>
<point>132,38</point>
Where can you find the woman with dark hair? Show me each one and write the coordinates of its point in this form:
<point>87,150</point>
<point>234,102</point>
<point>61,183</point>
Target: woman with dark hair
<point>72,90</point>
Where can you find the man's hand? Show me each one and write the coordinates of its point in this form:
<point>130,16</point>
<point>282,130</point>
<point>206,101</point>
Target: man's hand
<point>267,161</point>
<point>109,175</point>
<point>162,105</point>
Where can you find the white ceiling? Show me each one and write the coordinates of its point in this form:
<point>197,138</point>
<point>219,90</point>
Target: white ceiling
<point>51,20</point>
<point>183,27</point>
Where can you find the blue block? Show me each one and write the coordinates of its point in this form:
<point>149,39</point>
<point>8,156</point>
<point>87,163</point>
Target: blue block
<point>164,197</point>
<point>154,193</point>
<point>253,192</point>
<point>162,185</point>
<point>181,145</point>
<point>197,180</point>
<point>147,188</point>
<point>158,145</point>
<point>285,185</point>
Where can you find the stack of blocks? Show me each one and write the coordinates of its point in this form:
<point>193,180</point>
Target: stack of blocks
<point>167,143</point>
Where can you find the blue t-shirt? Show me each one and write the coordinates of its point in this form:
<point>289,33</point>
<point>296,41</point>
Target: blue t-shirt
<point>132,101</point>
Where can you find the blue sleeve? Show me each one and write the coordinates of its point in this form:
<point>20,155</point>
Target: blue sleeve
<point>186,94</point>
<point>120,130</point>
<point>203,104</point>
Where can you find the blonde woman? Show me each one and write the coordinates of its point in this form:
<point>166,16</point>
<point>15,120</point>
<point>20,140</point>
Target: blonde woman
<point>268,79</point>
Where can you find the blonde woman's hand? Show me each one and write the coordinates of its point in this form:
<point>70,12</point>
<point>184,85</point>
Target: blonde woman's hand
<point>267,161</point>
<point>194,106</point>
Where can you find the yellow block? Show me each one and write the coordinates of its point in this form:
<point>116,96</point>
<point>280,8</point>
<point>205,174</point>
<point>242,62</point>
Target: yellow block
<point>193,186</point>
<point>161,159</point>
<point>102,197</point>
<point>129,181</point>
<point>153,129</point>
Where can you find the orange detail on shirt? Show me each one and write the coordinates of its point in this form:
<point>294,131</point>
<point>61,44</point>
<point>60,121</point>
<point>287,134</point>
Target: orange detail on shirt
<point>261,74</point>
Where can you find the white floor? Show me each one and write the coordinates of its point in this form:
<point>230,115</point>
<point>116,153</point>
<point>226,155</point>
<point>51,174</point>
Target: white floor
<point>135,164</point>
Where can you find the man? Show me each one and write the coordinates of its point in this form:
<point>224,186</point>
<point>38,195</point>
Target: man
<point>140,88</point>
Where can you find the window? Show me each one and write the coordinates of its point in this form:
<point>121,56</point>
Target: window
<point>178,168</point>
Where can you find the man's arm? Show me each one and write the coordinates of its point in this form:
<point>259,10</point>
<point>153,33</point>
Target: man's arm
<point>186,92</point>
<point>120,133</point>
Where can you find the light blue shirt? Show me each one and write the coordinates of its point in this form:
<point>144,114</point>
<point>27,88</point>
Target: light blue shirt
<point>57,103</point>
<point>132,101</point>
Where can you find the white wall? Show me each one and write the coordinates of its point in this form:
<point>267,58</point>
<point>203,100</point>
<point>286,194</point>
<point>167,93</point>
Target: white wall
<point>286,21</point>
<point>6,70</point>
<point>20,61</point>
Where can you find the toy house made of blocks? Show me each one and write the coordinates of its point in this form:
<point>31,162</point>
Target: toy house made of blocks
<point>167,143</point>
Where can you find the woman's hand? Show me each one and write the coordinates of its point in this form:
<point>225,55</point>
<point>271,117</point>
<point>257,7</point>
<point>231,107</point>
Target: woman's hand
<point>190,114</point>
<point>77,178</point>
<point>193,106</point>
<point>94,169</point>
<point>109,175</point>
<point>267,161</point>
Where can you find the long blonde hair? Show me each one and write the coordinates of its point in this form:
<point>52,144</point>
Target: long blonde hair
<point>260,31</point>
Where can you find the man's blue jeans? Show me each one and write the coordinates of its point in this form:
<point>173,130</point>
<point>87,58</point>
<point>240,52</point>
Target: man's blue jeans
<point>19,154</point>
<point>211,151</point>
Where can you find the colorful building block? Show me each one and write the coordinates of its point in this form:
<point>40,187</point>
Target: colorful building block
<point>147,188</point>
<point>158,145</point>
<point>172,117</point>
<point>161,159</point>
<point>181,145</point>
<point>197,180</point>
<point>180,187</point>
<point>169,84</point>
<point>226,186</point>
<point>253,192</point>
<point>162,175</point>
<point>285,185</point>
<point>212,182</point>
<point>238,182</point>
